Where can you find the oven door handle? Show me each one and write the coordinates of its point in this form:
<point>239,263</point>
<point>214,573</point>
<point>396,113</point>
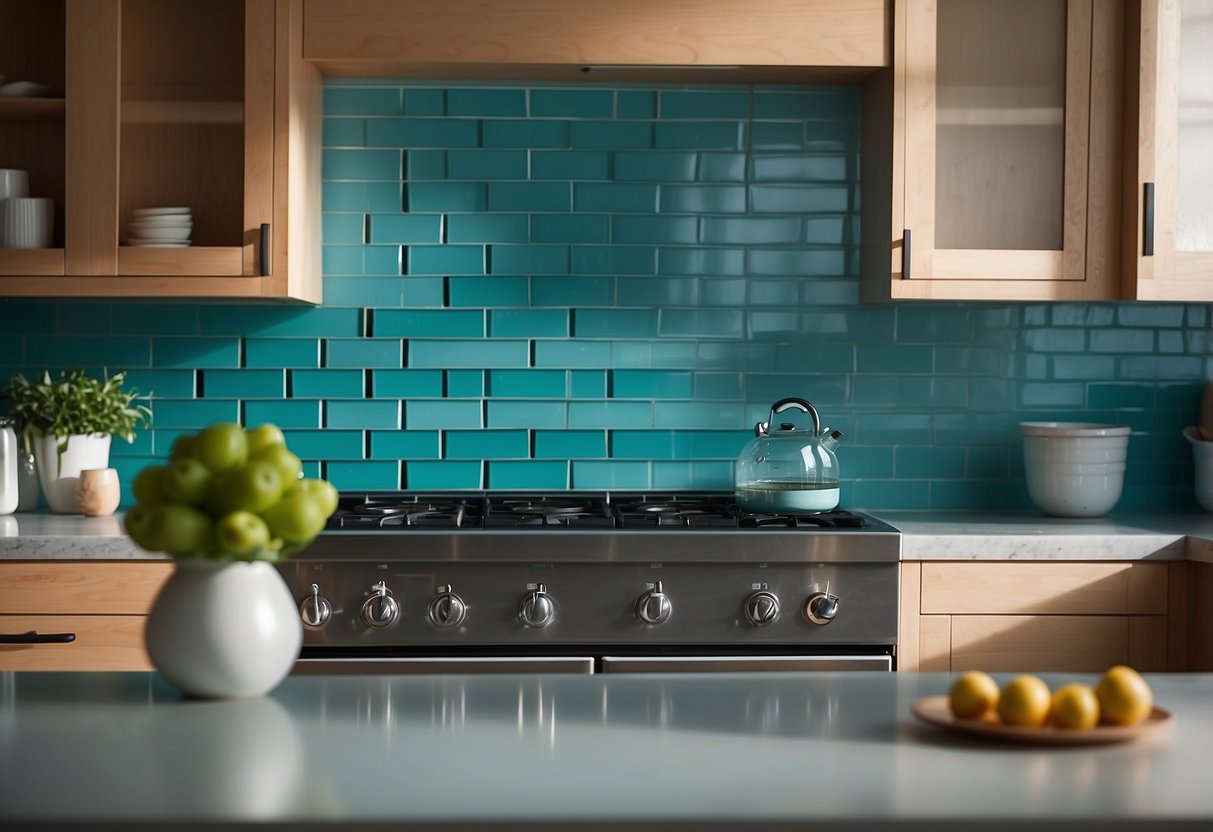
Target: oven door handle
<point>741,664</point>
<point>444,664</point>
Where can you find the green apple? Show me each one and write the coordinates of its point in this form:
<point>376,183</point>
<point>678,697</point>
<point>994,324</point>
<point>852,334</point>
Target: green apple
<point>321,491</point>
<point>183,530</point>
<point>280,457</point>
<point>221,446</point>
<point>241,534</point>
<point>296,518</point>
<point>147,486</point>
<point>186,480</point>
<point>263,436</point>
<point>140,523</point>
<point>183,446</point>
<point>254,486</point>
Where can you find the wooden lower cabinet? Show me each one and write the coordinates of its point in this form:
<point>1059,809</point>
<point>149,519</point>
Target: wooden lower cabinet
<point>1200,609</point>
<point>104,604</point>
<point>1043,616</point>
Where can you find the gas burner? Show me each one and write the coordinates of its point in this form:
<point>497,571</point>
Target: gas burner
<point>527,511</point>
<point>836,519</point>
<point>391,511</point>
<point>668,510</point>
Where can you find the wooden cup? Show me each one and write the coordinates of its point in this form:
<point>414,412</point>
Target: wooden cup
<point>97,491</point>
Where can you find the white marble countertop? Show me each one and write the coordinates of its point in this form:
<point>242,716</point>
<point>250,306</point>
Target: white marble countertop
<point>925,536</point>
<point>604,752</point>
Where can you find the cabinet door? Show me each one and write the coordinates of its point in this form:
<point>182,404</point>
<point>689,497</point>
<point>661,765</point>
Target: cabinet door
<point>32,128</point>
<point>993,136</point>
<point>1172,208</point>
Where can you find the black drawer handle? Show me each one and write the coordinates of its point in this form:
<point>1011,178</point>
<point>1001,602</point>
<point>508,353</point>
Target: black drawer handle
<point>1147,231</point>
<point>264,253</point>
<point>34,637</point>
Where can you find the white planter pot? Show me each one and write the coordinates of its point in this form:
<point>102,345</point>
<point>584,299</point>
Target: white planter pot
<point>59,475</point>
<point>224,630</point>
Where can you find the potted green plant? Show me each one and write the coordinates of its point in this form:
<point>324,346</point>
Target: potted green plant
<point>68,422</point>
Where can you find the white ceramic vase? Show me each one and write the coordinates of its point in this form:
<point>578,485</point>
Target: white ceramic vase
<point>224,630</point>
<point>59,475</point>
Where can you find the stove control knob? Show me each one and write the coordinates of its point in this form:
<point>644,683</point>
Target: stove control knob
<point>821,607</point>
<point>537,608</point>
<point>654,607</point>
<point>761,609</point>
<point>315,609</point>
<point>446,609</point>
<point>380,608</point>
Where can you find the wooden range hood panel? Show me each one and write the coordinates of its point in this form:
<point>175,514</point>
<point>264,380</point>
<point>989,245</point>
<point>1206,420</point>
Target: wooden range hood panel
<point>725,41</point>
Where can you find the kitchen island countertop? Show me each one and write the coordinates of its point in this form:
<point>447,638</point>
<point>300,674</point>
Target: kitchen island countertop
<point>691,751</point>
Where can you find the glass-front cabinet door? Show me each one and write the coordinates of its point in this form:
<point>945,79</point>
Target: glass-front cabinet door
<point>1172,228</point>
<point>998,105</point>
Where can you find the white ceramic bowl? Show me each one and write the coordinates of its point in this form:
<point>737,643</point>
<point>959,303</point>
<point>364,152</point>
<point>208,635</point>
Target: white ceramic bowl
<point>167,234</point>
<point>1202,458</point>
<point>1074,469</point>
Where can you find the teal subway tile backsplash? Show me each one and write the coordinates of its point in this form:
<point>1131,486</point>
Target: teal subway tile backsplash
<point>551,286</point>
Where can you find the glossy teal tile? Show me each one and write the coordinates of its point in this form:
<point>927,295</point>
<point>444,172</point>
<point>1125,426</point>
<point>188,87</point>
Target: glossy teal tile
<point>579,103</point>
<point>655,166</point>
<point>442,475</point>
<point>774,135</point>
<point>693,475</point>
<point>800,167</point>
<point>530,474</point>
<point>1117,340</point>
<point>570,444</point>
<point>702,323</point>
<point>749,230</point>
<point>635,104</point>
<point>423,291</point>
<point>831,136</point>
<point>628,354</point>
<point>572,354</point>
<point>140,447</point>
<point>658,291</point>
<point>363,291</point>
<point>610,134</point>
<point>162,384</point>
<point>525,134</point>
<point>1149,315</point>
<point>341,260</point>
<point>651,384</point>
<point>673,354</point>
<point>1074,340</point>
<point>295,413</point>
<point>708,444</point>
<point>485,165</point>
<point>793,199</point>
<point>579,290</point>
<point>700,135</point>
<point>362,102</point>
<point>723,386</point>
<point>587,384</point>
<point>701,261</point>
<point>614,197</point>
<point>422,165</point>
<point>363,475</point>
<point>363,352</point>
<point>23,316</point>
<point>487,228</point>
<point>935,463</point>
<point>343,132</point>
<point>1052,394</point>
<point>327,384</point>
<point>615,323</point>
<point>442,415</point>
<point>703,199</point>
<point>87,318</point>
<point>610,415</point>
<point>823,102</point>
<point>133,319</point>
<point>569,164</point>
<point>443,323</point>
<point>891,494</point>
<point>570,228</point>
<point>627,230</point>
<point>362,414</point>
<point>361,164</point>
<point>529,259</point>
<point>808,262</point>
<point>424,102</point>
<point>495,290</point>
<point>445,196</point>
<point>406,384</point>
<point>974,429</point>
<point>721,167</point>
<point>405,444</point>
<point>621,259</point>
<point>344,228</point>
<point>831,230</point>
<point>527,414</point>
<point>282,352</point>
<point>325,444</point>
<point>197,414</point>
<point>279,321</point>
<point>194,353</point>
<point>465,383</point>
<point>642,444</point>
<point>68,351</point>
<point>712,104</point>
<point>474,354</point>
<point>486,102</point>
<point>532,323</point>
<point>441,133</point>
<point>707,415</point>
<point>603,474</point>
<point>244,384</point>
<point>446,260</point>
<point>405,228</point>
<point>530,196</point>
<point>486,444</point>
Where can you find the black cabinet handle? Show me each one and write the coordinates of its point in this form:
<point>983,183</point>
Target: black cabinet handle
<point>265,249</point>
<point>34,637</point>
<point>1147,231</point>
<point>905,254</point>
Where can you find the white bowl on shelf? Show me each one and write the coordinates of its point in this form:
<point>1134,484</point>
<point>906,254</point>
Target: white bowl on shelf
<point>1075,469</point>
<point>161,233</point>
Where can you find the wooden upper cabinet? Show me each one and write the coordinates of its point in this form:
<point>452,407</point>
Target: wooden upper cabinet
<point>594,39</point>
<point>196,105</point>
<point>1169,208</point>
<point>1004,167</point>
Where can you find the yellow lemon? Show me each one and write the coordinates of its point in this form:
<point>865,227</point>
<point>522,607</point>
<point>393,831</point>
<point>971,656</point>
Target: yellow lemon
<point>1075,706</point>
<point>973,695</point>
<point>1124,697</point>
<point>1024,701</point>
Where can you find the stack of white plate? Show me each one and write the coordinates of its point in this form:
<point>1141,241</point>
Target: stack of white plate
<point>160,227</point>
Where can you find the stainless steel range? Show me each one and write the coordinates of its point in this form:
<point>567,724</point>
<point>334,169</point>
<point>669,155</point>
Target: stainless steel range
<point>575,582</point>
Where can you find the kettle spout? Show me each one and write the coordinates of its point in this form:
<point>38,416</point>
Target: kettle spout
<point>830,438</point>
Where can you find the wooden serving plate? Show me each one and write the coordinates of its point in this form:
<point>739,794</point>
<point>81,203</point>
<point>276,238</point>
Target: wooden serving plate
<point>934,710</point>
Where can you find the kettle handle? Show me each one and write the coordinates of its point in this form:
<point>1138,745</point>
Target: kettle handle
<point>785,404</point>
